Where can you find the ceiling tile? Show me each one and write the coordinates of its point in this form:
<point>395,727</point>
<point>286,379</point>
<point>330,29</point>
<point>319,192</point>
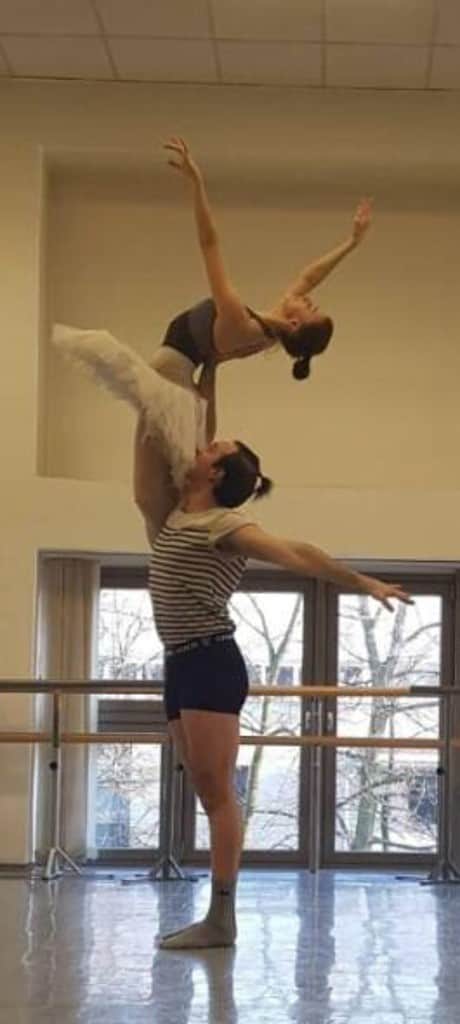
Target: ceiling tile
<point>181,18</point>
<point>164,61</point>
<point>445,73</point>
<point>271,63</point>
<point>379,21</point>
<point>448,23</point>
<point>380,67</point>
<point>49,57</point>
<point>48,17</point>
<point>268,19</point>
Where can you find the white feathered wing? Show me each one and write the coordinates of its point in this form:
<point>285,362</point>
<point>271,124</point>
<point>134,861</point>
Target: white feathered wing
<point>172,413</point>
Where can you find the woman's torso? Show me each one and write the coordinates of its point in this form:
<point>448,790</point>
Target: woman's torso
<point>195,331</point>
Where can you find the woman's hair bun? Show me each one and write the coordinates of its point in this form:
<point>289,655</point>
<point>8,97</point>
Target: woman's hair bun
<point>301,368</point>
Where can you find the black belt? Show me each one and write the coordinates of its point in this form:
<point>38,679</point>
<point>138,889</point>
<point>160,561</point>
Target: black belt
<point>199,641</point>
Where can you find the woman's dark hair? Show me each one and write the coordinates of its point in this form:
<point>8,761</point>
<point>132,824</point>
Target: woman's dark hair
<point>242,478</point>
<point>306,341</point>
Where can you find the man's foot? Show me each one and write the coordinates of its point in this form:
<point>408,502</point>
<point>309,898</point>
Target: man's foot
<point>203,935</point>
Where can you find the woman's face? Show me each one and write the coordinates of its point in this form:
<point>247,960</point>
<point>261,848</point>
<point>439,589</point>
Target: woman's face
<point>301,310</point>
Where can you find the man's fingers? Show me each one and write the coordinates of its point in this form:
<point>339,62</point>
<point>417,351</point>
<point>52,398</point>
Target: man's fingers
<point>401,595</point>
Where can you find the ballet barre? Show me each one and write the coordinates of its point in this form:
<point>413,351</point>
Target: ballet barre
<point>57,856</point>
<point>251,739</point>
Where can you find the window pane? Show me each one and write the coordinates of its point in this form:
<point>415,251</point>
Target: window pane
<point>386,799</point>
<point>127,776</point>
<point>270,635</point>
<point>269,631</point>
<point>128,646</point>
<point>267,783</point>
<point>127,796</point>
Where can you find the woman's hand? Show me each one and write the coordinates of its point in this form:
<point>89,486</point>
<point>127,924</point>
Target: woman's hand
<point>183,161</point>
<point>362,220</point>
<point>384,591</point>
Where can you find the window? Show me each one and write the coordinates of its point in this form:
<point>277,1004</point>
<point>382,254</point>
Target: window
<point>379,802</point>
<point>126,776</point>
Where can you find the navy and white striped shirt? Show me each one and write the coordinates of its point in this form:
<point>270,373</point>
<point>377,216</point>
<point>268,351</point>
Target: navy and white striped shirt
<point>191,580</point>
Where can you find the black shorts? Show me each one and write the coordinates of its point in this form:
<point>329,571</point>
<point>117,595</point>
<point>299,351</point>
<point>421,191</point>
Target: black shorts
<point>208,674</point>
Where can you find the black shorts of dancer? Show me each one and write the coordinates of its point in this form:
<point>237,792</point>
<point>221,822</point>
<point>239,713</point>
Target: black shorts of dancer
<point>206,674</point>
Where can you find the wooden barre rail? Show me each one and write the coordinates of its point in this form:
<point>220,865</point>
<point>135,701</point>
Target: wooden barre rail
<point>127,686</point>
<point>25,737</point>
<point>106,689</point>
<point>107,738</point>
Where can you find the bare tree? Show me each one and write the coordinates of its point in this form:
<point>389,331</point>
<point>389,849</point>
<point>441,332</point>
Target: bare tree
<point>381,793</point>
<point>258,713</point>
<point>126,645</point>
<point>127,776</point>
<point>380,798</point>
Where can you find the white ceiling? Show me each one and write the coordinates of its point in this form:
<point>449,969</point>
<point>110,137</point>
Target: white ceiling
<point>381,44</point>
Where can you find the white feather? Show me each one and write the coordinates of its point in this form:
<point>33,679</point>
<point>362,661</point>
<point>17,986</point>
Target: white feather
<point>173,413</point>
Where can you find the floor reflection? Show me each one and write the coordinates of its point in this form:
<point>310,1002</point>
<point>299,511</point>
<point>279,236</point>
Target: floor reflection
<point>336,947</point>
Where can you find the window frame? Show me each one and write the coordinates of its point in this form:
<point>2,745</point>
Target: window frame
<point>415,583</point>
<point>320,603</point>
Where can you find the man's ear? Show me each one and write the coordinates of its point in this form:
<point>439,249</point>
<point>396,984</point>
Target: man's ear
<point>216,474</point>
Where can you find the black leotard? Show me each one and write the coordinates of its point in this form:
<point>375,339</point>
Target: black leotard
<point>191,332</point>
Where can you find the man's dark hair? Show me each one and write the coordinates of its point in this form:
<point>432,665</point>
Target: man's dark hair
<point>242,478</point>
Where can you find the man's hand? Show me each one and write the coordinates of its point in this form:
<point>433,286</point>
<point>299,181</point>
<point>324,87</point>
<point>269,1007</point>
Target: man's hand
<point>384,591</point>
<point>183,160</point>
<point>362,220</point>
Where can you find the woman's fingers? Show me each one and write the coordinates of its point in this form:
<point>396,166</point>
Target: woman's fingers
<point>176,143</point>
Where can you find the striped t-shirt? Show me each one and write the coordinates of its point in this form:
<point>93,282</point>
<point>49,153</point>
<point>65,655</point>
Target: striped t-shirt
<point>190,578</point>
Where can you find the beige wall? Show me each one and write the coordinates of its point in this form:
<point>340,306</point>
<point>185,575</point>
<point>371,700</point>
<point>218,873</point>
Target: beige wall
<point>365,455</point>
<point>380,410</point>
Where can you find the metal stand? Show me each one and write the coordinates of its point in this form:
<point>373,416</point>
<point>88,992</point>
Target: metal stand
<point>166,868</point>
<point>444,871</point>
<point>57,858</point>
<point>314,725</point>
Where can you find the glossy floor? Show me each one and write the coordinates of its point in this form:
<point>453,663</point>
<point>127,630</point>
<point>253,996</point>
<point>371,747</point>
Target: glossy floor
<point>344,947</point>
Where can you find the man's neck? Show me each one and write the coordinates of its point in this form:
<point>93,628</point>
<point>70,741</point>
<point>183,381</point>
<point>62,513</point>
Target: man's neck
<point>197,501</point>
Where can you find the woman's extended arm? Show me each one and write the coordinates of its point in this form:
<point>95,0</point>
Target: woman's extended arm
<point>315,272</point>
<point>228,303</point>
<point>306,560</point>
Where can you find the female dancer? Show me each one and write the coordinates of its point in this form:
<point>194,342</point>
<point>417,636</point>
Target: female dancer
<point>173,421</point>
<point>223,326</point>
<point>197,561</point>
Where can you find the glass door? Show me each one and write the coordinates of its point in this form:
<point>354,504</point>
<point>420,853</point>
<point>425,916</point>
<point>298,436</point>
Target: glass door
<point>271,779</point>
<point>381,802</point>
